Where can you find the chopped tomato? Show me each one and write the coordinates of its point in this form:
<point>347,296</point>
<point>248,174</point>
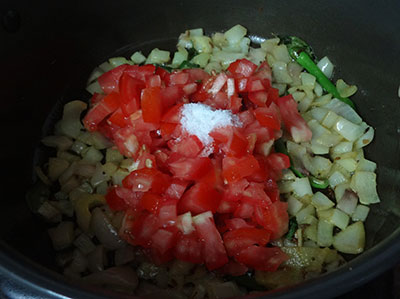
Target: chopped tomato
<point>188,146</point>
<point>100,111</point>
<point>153,81</point>
<point>151,105</point>
<point>167,213</point>
<point>234,268</point>
<point>237,240</point>
<point>236,223</point>
<point>97,97</point>
<point>170,96</point>
<point>242,68</point>
<point>126,141</point>
<point>244,210</point>
<point>141,72</point>
<point>176,189</point>
<point>189,248</point>
<point>214,252</point>
<point>259,98</point>
<point>118,119</point>
<point>150,202</point>
<point>162,240</point>
<point>143,229</point>
<point>268,117</point>
<point>294,123</point>
<point>227,206</point>
<point>146,179</point>
<point>130,89</point>
<point>190,168</point>
<point>198,199</point>
<point>273,218</point>
<point>114,201</point>
<point>262,258</point>
<point>234,169</point>
<point>173,115</point>
<point>109,81</point>
<point>255,195</point>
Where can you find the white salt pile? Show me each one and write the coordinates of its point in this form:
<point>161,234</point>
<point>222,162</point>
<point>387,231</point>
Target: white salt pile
<point>199,119</point>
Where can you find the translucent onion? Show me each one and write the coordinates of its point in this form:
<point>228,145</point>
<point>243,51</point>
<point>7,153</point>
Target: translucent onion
<point>84,243</point>
<point>62,143</point>
<point>343,110</point>
<point>351,240</point>
<point>97,259</point>
<point>138,57</point>
<point>326,66</point>
<point>157,56</point>
<point>62,235</point>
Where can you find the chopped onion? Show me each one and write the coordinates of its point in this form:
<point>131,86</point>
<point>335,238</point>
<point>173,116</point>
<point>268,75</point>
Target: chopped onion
<point>106,66</point>
<point>281,53</point>
<point>351,240</point>
<point>117,61</point>
<point>303,216</point>
<point>343,110</point>
<point>235,34</point>
<point>364,184</point>
<point>78,146</point>
<point>280,73</point>
<point>321,201</point>
<point>339,219</point>
<point>104,231</point>
<point>97,259</point>
<point>347,129</point>
<point>202,44</point>
<point>324,233</point>
<point>99,176</point>
<point>62,143</point>
<point>326,66</point>
<point>113,155</point>
<point>366,165</point>
<point>344,89</point>
<point>216,289</point>
<point>301,187</point>
<point>92,155</point>
<point>99,141</point>
<point>62,235</point>
<point>360,213</point>
<point>336,178</point>
<point>138,57</point>
<point>294,205</point>
<point>94,88</point>
<point>307,80</point>
<point>71,125</point>
<point>84,169</point>
<point>82,206</point>
<point>157,56</point>
<point>120,278</point>
<point>348,202</point>
<point>84,243</point>
<point>365,139</point>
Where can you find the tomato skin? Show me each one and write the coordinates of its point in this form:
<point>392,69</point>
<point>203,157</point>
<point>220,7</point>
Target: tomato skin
<point>151,105</point>
<point>170,96</point>
<point>176,189</point>
<point>118,119</point>
<point>255,195</point>
<point>109,81</point>
<point>140,72</point>
<point>236,223</point>
<point>143,229</point>
<point>259,98</point>
<point>268,117</point>
<point>130,89</point>
<point>100,111</point>
<point>167,213</point>
<point>114,201</point>
<point>173,115</point>
<point>234,169</point>
<point>294,123</point>
<point>242,68</point>
<point>146,179</point>
<point>214,252</point>
<point>126,141</point>
<point>198,199</point>
<point>237,240</point>
<point>187,146</point>
<point>150,202</point>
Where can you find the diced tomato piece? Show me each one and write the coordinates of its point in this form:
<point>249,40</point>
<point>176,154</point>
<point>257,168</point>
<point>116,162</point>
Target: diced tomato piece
<point>147,179</point>
<point>151,105</point>
<point>236,223</point>
<point>143,229</point>
<point>262,258</point>
<point>278,161</point>
<point>130,89</point>
<point>234,169</point>
<point>126,141</point>
<point>114,201</point>
<point>171,95</point>
<point>294,122</point>
<point>214,177</point>
<point>173,115</point>
<point>157,257</point>
<point>197,75</point>
<point>241,84</point>
<point>251,142</point>
<point>146,159</point>
<point>273,195</point>
<point>118,119</point>
<point>255,194</point>
<point>198,199</point>
<point>273,218</point>
<point>187,146</point>
<point>161,72</point>
<point>140,125</point>
<point>167,129</point>
<point>259,98</point>
<point>235,190</point>
<point>100,111</point>
<point>185,224</point>
<point>162,240</point>
<point>237,240</point>
<point>140,72</point>
<point>150,202</point>
<point>227,206</point>
<point>235,103</point>
<point>244,210</point>
<point>263,134</point>
<point>176,189</point>
<point>190,168</point>
<point>178,78</point>
<point>109,81</point>
<point>214,252</point>
<point>242,68</point>
<point>237,145</point>
<point>246,117</point>
<point>167,213</point>
<point>263,173</point>
<point>273,96</point>
<point>153,81</point>
<point>189,248</point>
<point>97,97</point>
<point>218,83</point>
<point>234,268</point>
<point>268,117</point>
<point>190,88</point>
<point>264,72</point>
<point>254,84</point>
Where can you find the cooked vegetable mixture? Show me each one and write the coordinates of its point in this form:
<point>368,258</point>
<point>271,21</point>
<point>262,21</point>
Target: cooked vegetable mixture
<point>222,170</point>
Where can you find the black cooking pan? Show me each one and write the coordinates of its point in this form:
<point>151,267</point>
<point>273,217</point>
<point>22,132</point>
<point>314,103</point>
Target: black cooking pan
<point>48,49</point>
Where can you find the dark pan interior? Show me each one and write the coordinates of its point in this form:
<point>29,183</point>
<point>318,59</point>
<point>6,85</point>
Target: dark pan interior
<point>59,42</point>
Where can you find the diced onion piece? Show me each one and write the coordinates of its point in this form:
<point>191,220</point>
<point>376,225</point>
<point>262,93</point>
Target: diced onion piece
<point>70,184</point>
<point>102,188</point>
<point>280,73</point>
<point>330,119</point>
<point>235,34</point>
<point>319,149</point>
<point>202,44</point>
<point>113,155</point>
<point>99,141</point>
<point>78,146</point>
<point>348,202</point>
<point>97,259</point>
<point>99,176</point>
<point>344,110</point>
<point>106,66</point>
<point>84,243</point>
<point>201,59</point>
<point>158,56</point>
<point>94,87</point>
<point>339,219</point>
<point>294,205</point>
<point>117,61</point>
<point>56,168</point>
<point>349,164</point>
<point>364,184</point>
<point>319,113</point>
<point>228,289</point>
<point>326,66</point>
<point>138,57</point>
<point>225,58</point>
<point>347,129</point>
<point>365,139</point>
<point>351,240</point>
<point>321,201</point>
<point>104,231</point>
<point>62,143</point>
<point>97,72</point>
<point>360,213</point>
<point>319,167</point>
<point>49,212</point>
<point>342,147</point>
<point>92,155</point>
<point>307,80</point>
<point>180,56</point>
<point>62,235</point>
<point>322,100</point>
<point>82,206</point>
<point>318,90</point>
<point>281,53</point>
<point>109,168</point>
<point>301,187</point>
<point>306,215</point>
<point>324,233</point>
<point>344,89</point>
<point>366,165</point>
<point>257,55</point>
<point>336,178</point>
<point>118,176</point>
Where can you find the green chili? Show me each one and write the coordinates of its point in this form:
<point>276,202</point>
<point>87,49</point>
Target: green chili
<point>317,183</point>
<point>186,64</point>
<point>292,228</point>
